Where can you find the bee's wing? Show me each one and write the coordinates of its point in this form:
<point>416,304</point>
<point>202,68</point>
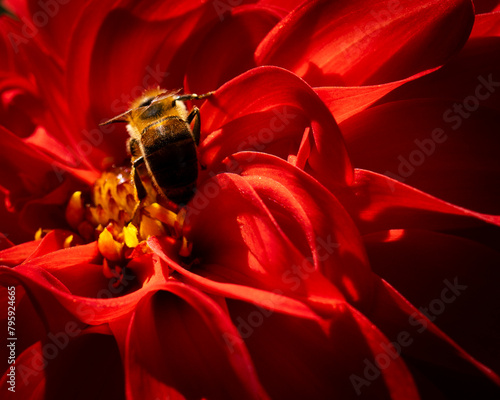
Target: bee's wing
<point>124,117</point>
<point>165,94</point>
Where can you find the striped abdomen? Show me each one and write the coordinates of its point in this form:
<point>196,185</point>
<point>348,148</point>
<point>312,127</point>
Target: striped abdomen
<point>169,151</point>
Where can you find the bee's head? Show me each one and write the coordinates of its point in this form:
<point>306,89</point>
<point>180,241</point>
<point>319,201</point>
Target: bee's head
<point>153,104</point>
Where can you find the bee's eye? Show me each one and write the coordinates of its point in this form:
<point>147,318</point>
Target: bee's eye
<point>146,102</point>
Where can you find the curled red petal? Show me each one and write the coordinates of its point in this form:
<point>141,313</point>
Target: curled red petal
<point>345,45</point>
<point>377,202</point>
<point>346,101</point>
<point>277,90</point>
<point>187,342</point>
<point>271,300</point>
<point>237,239</point>
<point>333,239</point>
<point>70,279</point>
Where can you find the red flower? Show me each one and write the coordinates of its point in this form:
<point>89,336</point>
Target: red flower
<point>341,241</point>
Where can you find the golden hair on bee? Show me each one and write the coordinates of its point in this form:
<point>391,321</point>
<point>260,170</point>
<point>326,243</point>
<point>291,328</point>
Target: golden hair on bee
<point>163,144</point>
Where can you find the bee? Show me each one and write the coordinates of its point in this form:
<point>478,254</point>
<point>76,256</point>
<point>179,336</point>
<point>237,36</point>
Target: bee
<point>162,143</point>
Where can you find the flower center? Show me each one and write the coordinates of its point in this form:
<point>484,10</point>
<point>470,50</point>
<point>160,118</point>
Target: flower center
<point>121,225</point>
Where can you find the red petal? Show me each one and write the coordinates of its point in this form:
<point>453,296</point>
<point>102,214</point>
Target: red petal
<point>46,354</point>
<point>187,342</point>
<point>34,176</point>
<point>487,25</point>
<point>377,202</point>
<point>227,50</point>
<point>272,306</point>
<point>485,6</point>
<point>45,107</point>
<point>274,89</point>
<point>296,358</point>
<point>155,10</point>
<point>163,40</point>
<point>285,5</point>
<point>8,60</point>
<point>65,276</point>
<point>53,241</point>
<point>17,254</point>
<point>90,357</point>
<point>309,214</point>
<point>442,369</point>
<point>460,279</point>
<point>48,24</point>
<point>15,233</point>
<point>345,45</point>
<point>29,325</point>
<point>37,185</point>
<point>30,378</point>
<point>251,132</point>
<point>251,248</point>
<point>431,146</point>
<point>270,300</point>
<point>344,101</point>
<point>22,159</point>
<point>469,77</point>
<point>5,243</point>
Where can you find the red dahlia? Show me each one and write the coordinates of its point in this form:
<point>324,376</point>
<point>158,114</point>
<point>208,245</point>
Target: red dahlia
<point>342,240</point>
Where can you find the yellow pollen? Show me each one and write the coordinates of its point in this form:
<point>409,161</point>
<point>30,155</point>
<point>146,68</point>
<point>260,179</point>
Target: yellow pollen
<point>110,215</point>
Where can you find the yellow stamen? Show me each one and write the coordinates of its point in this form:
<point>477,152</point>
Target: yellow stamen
<point>108,218</point>
<point>161,213</point>
<point>130,235</point>
<point>75,212</point>
<point>38,234</point>
<point>67,241</point>
<point>179,222</point>
<point>186,248</point>
<point>150,227</point>
<point>109,247</point>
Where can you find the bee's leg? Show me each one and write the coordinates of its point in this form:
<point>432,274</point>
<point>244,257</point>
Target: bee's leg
<point>139,189</point>
<point>193,96</point>
<point>195,112</point>
<point>195,115</point>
